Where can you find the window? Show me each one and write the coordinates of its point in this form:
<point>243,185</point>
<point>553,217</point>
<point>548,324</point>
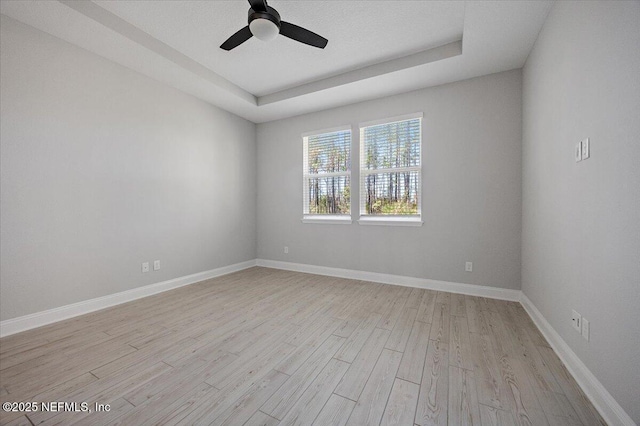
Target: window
<point>390,171</point>
<point>327,176</point>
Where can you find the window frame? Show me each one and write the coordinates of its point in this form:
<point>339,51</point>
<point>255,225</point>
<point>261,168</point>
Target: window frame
<point>339,219</point>
<point>389,220</point>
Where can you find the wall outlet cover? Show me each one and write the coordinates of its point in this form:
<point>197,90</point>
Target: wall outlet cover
<point>578,152</point>
<point>576,321</point>
<point>156,265</point>
<point>468,266</point>
<point>145,267</point>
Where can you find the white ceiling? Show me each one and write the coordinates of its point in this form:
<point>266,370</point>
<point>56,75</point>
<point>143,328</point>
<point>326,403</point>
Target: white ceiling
<point>392,30</point>
<point>376,48</point>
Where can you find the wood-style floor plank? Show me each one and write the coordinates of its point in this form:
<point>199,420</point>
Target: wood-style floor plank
<point>166,406</point>
<point>356,341</point>
<point>580,403</point>
<point>358,373</point>
<point>309,346</point>
<point>434,387</point>
<point>335,412</point>
<point>458,305</point>
<point>413,358</point>
<point>395,309</point>
<point>286,396</point>
<point>305,411</point>
<point>464,409</point>
<point>261,419</point>
<point>440,324</point>
<point>526,407</point>
<point>427,306</point>
<point>270,347</point>
<point>247,404</point>
<point>401,407</point>
<point>371,404</point>
<point>492,390</point>
<point>493,417</point>
<point>475,316</point>
<point>400,334</point>
<point>19,421</point>
<point>459,343</point>
<point>103,391</point>
<point>415,298</point>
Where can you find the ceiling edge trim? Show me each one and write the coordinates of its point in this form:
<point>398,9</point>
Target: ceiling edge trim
<point>446,51</point>
<point>133,33</point>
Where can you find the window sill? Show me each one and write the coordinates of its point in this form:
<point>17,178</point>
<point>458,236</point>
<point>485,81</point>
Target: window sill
<point>327,220</point>
<point>390,221</point>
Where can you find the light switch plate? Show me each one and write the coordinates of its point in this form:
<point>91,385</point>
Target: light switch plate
<point>578,151</point>
<point>585,148</point>
<point>145,267</point>
<point>585,328</point>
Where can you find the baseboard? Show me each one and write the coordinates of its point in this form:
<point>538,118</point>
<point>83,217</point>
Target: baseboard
<point>606,405</point>
<point>451,287</point>
<point>27,322</point>
<point>39,319</point>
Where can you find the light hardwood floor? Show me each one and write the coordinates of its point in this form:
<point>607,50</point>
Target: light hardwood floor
<point>269,347</point>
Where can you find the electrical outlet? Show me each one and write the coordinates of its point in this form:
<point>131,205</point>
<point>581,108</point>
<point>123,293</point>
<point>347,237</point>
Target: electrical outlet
<point>585,148</point>
<point>156,265</point>
<point>578,151</point>
<point>286,250</point>
<point>585,328</point>
<point>145,267</point>
<point>468,266</point>
<point>576,321</point>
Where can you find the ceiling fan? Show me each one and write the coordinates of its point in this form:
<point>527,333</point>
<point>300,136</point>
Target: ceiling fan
<point>265,24</point>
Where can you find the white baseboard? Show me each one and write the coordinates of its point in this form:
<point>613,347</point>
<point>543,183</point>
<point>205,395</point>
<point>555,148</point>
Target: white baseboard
<point>606,405</point>
<point>27,322</point>
<point>451,287</point>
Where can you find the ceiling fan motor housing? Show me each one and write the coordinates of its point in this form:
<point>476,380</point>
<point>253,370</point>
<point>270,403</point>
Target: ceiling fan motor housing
<point>271,15</point>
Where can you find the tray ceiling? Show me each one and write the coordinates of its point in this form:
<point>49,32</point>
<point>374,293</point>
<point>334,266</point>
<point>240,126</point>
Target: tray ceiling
<point>375,48</point>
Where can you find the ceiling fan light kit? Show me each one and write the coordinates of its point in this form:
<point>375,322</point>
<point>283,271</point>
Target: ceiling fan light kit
<point>264,29</point>
<point>265,25</point>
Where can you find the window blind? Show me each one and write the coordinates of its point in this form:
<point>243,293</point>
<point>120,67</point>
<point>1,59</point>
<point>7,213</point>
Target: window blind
<point>390,168</point>
<point>327,173</point>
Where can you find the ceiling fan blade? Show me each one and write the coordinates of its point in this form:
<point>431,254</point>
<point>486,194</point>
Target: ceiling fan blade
<point>237,39</point>
<point>302,35</point>
<point>258,5</point>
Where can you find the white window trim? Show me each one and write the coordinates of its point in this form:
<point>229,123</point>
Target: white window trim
<point>343,219</point>
<point>327,219</point>
<point>389,220</point>
<point>391,120</point>
<point>327,130</point>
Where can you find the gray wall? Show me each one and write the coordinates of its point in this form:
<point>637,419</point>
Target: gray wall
<point>471,188</point>
<point>102,169</point>
<point>581,221</point>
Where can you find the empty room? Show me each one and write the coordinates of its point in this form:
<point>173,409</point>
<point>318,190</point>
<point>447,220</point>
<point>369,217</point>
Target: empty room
<point>332,212</point>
